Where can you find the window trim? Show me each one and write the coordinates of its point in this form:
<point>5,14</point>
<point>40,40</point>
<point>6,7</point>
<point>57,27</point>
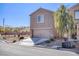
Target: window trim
<point>75,14</point>
<point>42,20</point>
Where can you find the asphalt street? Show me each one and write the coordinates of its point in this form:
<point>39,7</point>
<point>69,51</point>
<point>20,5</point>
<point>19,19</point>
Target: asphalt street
<point>19,50</point>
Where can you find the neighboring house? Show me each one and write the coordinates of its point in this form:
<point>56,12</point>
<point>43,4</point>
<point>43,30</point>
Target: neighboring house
<point>74,11</point>
<point>42,23</point>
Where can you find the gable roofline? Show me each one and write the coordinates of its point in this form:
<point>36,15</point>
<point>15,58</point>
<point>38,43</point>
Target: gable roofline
<point>41,9</point>
<point>73,6</point>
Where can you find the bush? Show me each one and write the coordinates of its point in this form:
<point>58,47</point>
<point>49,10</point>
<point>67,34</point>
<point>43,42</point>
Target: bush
<point>14,41</point>
<point>51,39</point>
<point>21,38</point>
<point>74,36</point>
<point>48,41</point>
<point>4,37</point>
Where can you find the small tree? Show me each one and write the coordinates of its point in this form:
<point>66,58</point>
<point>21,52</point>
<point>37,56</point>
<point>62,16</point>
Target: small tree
<point>64,22</point>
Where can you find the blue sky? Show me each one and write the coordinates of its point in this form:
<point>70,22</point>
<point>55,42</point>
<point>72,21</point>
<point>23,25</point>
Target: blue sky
<point>18,14</point>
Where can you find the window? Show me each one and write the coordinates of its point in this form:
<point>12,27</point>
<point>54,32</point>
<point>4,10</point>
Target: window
<point>40,19</point>
<point>76,14</point>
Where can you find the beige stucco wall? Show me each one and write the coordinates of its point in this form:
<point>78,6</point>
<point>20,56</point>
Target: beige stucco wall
<point>45,29</point>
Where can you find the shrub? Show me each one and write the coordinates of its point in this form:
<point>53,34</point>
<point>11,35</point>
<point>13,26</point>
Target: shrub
<point>73,36</point>
<point>48,41</point>
<point>21,38</point>
<point>51,39</point>
<point>14,41</point>
<point>4,37</point>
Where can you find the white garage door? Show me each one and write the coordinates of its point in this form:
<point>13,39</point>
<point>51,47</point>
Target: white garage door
<point>42,33</point>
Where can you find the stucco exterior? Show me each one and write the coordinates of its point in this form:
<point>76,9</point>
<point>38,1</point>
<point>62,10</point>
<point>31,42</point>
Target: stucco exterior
<point>46,29</point>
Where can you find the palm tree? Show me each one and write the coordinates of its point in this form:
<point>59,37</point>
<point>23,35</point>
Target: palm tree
<point>64,22</point>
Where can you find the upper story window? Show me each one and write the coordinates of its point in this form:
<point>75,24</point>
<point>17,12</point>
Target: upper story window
<point>40,18</point>
<point>77,14</point>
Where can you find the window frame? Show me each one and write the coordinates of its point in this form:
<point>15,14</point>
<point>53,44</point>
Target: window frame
<point>75,14</point>
<point>41,19</point>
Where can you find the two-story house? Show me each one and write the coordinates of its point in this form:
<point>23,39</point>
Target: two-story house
<point>42,23</point>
